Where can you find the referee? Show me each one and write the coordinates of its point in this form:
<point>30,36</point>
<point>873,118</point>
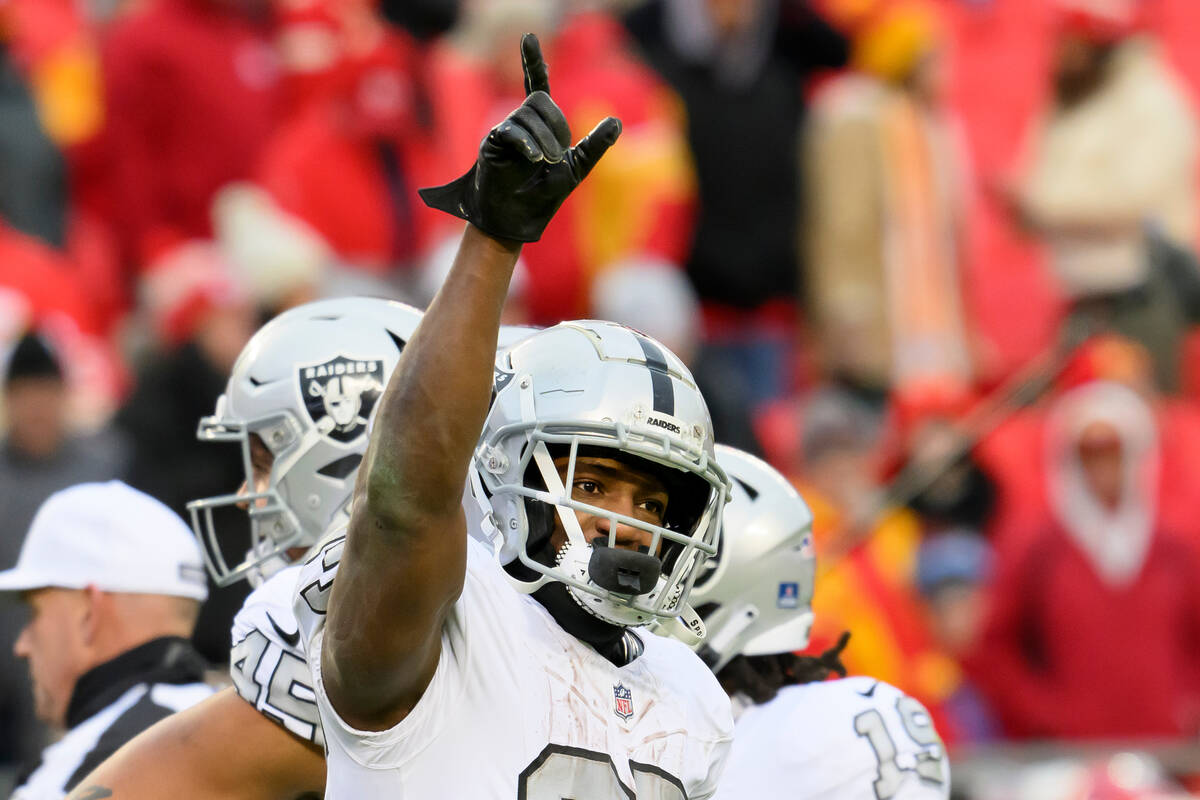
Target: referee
<point>114,581</point>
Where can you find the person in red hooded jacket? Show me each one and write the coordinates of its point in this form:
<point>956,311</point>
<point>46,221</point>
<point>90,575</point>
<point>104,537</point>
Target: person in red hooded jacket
<point>1095,618</point>
<point>357,139</point>
<point>189,102</point>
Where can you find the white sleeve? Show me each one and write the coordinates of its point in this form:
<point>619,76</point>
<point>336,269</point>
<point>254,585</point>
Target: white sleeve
<point>717,758</point>
<point>267,664</point>
<point>849,739</point>
<point>396,745</point>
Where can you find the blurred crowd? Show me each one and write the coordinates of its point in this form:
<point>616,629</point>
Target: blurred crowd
<point>932,258</point>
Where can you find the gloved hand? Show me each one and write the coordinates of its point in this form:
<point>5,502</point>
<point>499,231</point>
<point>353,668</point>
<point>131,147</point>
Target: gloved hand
<point>525,168</point>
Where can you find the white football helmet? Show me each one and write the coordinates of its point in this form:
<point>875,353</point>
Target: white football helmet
<point>588,385</point>
<point>756,593</point>
<point>306,385</point>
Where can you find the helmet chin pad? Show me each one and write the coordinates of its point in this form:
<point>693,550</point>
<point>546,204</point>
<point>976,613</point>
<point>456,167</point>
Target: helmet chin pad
<point>623,571</point>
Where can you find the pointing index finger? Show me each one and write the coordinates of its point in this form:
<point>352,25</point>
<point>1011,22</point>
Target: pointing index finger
<point>537,74</point>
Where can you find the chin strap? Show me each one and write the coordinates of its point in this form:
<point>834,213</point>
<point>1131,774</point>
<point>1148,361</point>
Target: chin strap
<point>524,587</point>
<point>687,627</point>
<point>720,648</point>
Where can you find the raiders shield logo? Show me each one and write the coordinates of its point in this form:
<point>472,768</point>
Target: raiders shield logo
<point>340,395</point>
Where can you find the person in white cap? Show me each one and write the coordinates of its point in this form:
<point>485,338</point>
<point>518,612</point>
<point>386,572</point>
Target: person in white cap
<point>114,580</point>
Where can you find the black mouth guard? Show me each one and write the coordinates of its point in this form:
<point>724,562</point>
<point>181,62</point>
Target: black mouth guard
<point>623,571</point>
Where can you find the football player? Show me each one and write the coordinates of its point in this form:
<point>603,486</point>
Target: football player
<point>446,667</point>
<point>263,739</point>
<point>849,739</point>
<point>296,404</point>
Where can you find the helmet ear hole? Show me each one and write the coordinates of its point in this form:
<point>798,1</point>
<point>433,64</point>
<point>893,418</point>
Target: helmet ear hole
<point>341,468</point>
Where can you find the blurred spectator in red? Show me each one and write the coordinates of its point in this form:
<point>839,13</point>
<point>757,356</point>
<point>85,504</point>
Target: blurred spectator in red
<point>1096,614</point>
<point>39,455</point>
<point>355,147</point>
<point>1014,453</point>
<point>200,319</point>
<point>1113,157</point>
<point>642,205</point>
<point>190,98</point>
<point>40,288</point>
<point>886,215</point>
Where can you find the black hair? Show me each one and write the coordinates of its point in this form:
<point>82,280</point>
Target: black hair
<point>761,677</point>
<point>32,357</point>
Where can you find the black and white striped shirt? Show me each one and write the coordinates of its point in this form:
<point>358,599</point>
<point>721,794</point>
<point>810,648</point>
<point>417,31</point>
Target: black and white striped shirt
<point>110,705</point>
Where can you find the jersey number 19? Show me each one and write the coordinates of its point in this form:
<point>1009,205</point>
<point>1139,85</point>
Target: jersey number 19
<point>919,728</point>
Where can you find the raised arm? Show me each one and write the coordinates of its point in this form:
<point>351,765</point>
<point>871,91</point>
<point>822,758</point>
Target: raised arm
<point>405,555</point>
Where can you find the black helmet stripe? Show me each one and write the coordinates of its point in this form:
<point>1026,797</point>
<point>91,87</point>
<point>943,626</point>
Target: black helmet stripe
<point>660,378</point>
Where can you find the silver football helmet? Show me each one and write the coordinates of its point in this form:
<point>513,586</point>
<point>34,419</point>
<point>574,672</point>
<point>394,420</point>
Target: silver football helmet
<point>580,388</point>
<point>306,385</point>
<point>756,594</point>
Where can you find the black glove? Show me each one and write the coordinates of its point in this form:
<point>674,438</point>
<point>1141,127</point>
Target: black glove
<point>526,167</point>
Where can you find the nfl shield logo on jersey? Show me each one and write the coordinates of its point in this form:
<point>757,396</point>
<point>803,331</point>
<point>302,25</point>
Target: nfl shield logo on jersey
<point>789,595</point>
<point>340,394</point>
<point>622,701</point>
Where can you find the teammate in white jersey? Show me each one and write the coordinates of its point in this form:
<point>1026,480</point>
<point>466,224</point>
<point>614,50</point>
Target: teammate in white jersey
<point>798,735</point>
<point>297,404</point>
<point>446,667</point>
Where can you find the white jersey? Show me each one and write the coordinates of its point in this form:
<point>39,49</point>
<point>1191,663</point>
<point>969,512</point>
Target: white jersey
<point>517,707</point>
<point>267,661</point>
<point>849,739</point>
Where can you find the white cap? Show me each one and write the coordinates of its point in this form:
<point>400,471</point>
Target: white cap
<point>652,296</point>
<point>110,536</point>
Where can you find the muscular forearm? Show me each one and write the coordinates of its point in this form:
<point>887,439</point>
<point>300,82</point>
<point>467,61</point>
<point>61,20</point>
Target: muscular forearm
<point>405,546</point>
<point>219,748</point>
<point>404,561</point>
<point>431,414</point>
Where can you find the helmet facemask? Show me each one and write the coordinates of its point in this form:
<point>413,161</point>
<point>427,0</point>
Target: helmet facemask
<point>273,527</point>
<point>306,386</point>
<point>619,586</point>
